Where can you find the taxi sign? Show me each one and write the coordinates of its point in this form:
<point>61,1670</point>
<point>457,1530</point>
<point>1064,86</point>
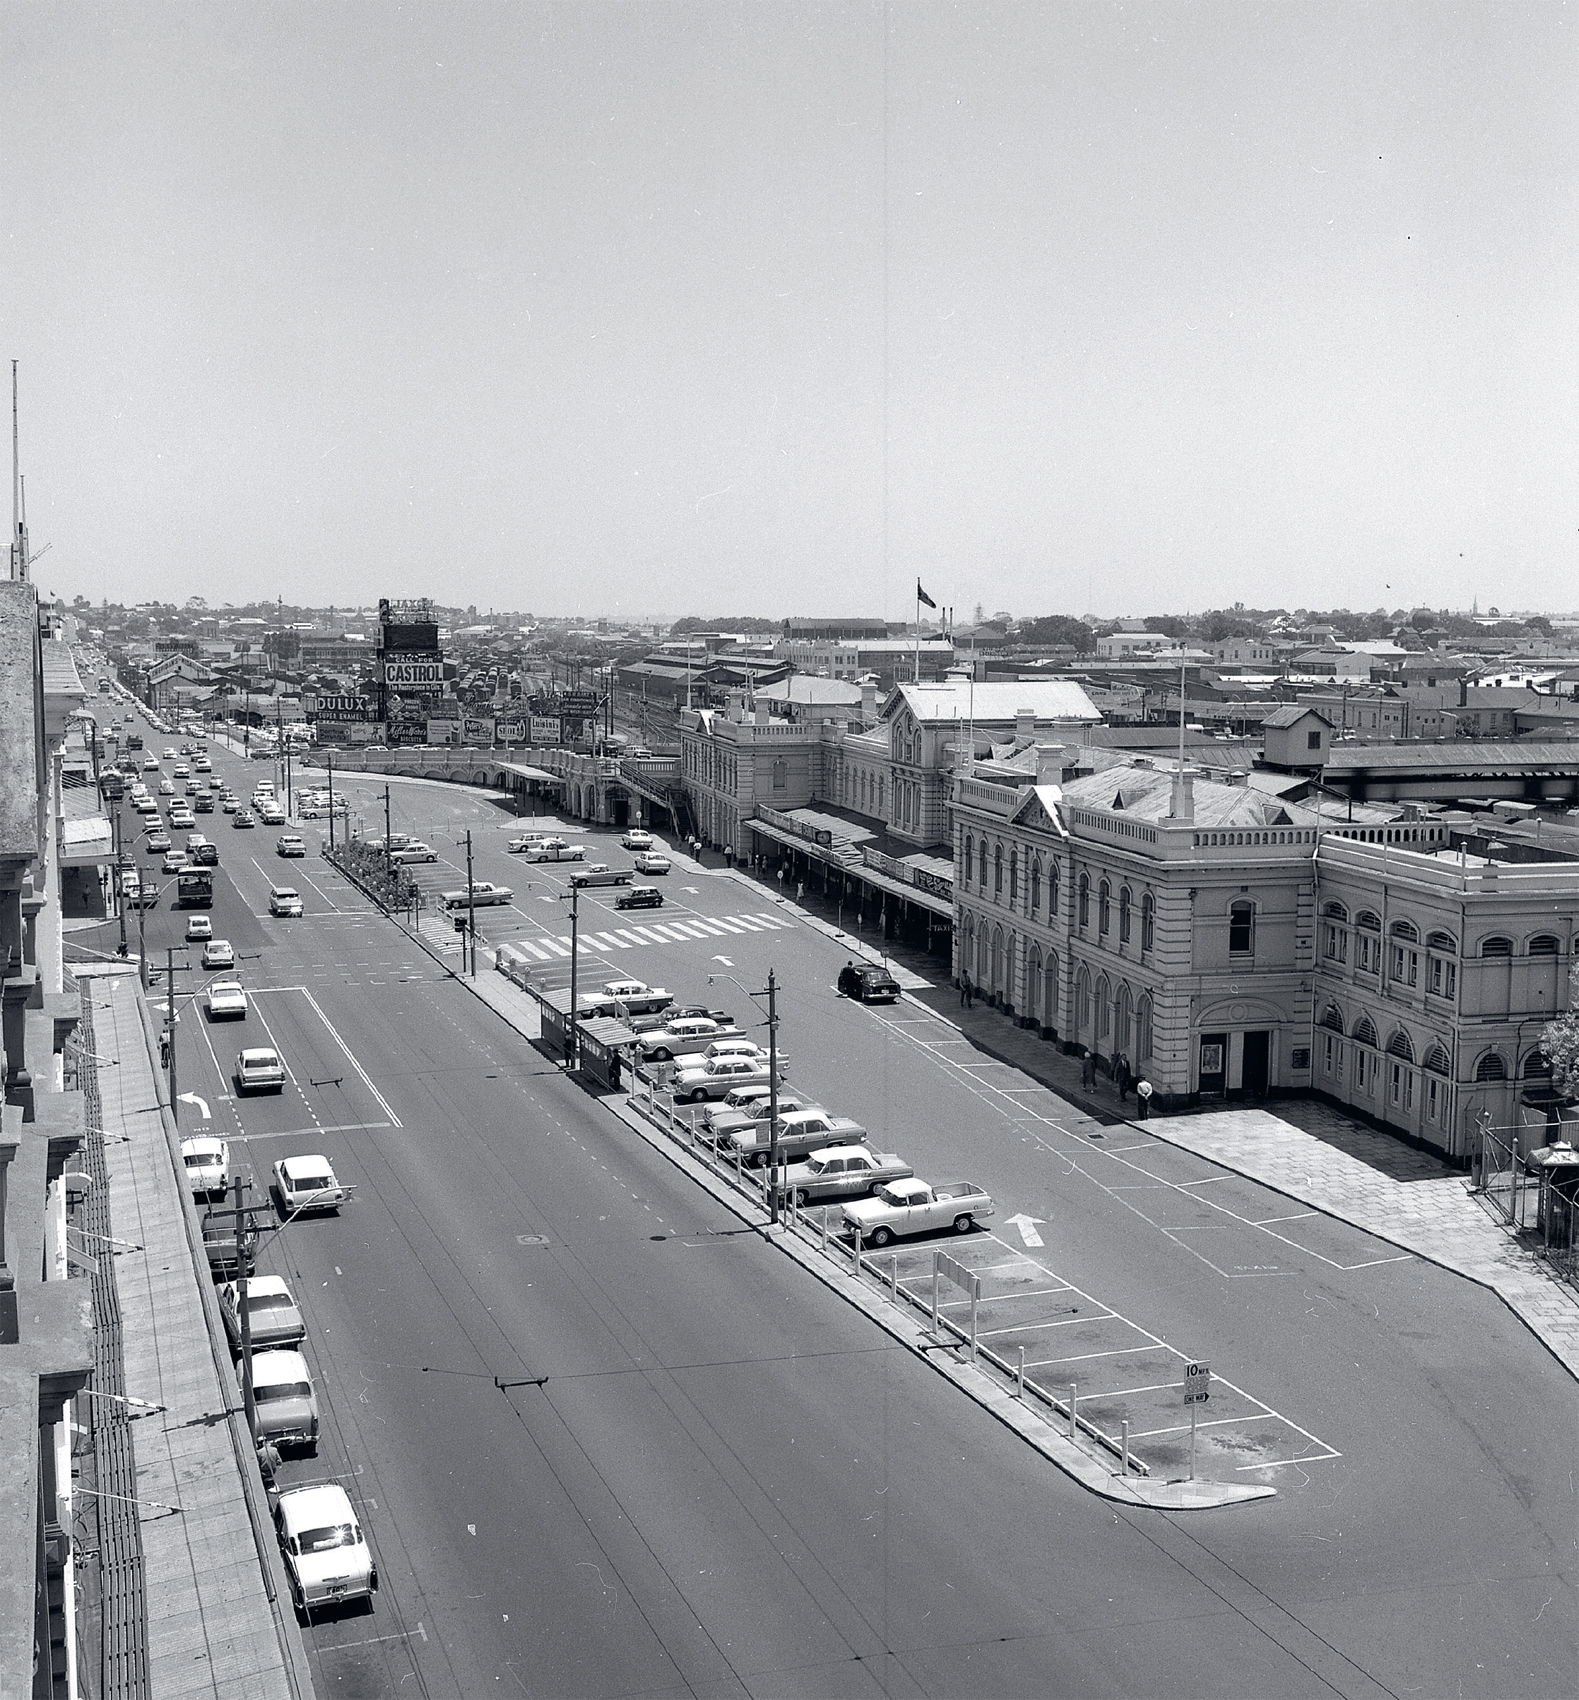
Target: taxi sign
<point>1197,1383</point>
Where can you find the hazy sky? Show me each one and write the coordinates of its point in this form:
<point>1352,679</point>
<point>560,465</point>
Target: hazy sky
<point>668,308</point>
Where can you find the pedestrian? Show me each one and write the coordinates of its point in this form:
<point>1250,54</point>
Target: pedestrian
<point>1088,1068</point>
<point>1121,1075</point>
<point>970,993</point>
<point>729,855</point>
<point>800,892</point>
<point>1143,1097</point>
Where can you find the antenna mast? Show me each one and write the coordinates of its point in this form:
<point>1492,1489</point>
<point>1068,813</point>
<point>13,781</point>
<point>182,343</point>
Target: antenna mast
<point>18,520</point>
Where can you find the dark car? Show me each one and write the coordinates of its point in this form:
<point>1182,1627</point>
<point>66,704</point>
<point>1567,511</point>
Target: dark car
<point>219,1241</point>
<point>871,984</point>
<point>650,1023</point>
<point>640,897</point>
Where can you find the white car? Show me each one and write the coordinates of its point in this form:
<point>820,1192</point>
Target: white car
<point>326,1554</point>
<point>719,1076</point>
<point>259,1070</point>
<point>175,861</point>
<point>415,851</point>
<point>306,1183</point>
<point>271,814</point>
<point>282,1390</point>
<point>166,787</point>
<point>652,862</point>
<point>207,1165</point>
<point>284,901</point>
<point>273,1317</point>
<point>219,953</point>
<point>182,771</point>
<point>226,999</point>
<point>199,929</point>
<point>169,752</point>
<point>482,892</point>
<point>636,839</point>
<point>290,844</point>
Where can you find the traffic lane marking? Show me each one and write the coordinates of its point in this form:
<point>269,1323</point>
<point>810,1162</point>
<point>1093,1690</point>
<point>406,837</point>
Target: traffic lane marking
<point>301,1132</point>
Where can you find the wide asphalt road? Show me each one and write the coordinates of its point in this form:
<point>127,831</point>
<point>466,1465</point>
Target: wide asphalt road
<point>606,1443</point>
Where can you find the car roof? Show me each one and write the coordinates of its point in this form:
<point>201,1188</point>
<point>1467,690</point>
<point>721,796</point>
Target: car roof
<point>202,1142</point>
<point>264,1285</point>
<point>293,1166</point>
<point>279,1363</point>
<point>260,1053</point>
<point>315,1506</point>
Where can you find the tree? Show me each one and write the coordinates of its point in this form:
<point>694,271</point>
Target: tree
<point>1170,625</point>
<point>1560,1047</point>
<point>1062,629</point>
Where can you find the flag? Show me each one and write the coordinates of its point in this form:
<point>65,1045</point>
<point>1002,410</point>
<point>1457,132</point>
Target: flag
<point>921,596</point>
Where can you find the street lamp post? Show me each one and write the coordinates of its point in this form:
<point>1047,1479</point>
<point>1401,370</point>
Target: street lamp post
<point>775,1182</point>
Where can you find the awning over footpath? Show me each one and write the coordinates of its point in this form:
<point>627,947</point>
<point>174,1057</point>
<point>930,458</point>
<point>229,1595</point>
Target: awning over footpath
<point>860,869</point>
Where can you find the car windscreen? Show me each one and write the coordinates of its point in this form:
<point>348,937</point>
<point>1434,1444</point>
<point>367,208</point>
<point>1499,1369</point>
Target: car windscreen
<point>268,1301</point>
<point>267,1392</point>
<point>311,1183</point>
<point>264,1063</point>
<point>327,1538</point>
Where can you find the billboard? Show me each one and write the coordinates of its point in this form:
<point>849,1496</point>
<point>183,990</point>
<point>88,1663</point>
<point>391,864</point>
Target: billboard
<point>413,673</point>
<point>578,705</point>
<point>545,729</point>
<point>477,731</point>
<point>342,708</point>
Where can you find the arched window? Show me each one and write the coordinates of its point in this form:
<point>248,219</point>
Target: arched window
<point>1399,1046</point>
<point>996,982</point>
<point>1085,899</point>
<point>1123,914</point>
<point>1050,990</point>
<point>1364,1032</point>
<point>1121,1019</point>
<point>1104,907</point>
<point>1333,1018</point>
<point>997,871</point>
<point>970,856</point>
<point>1370,922</point>
<point>1335,912</point>
<point>1104,1009</point>
<point>1052,891</point>
<point>1537,1067</point>
<point>1491,1067</point>
<point>1148,921</point>
<point>1441,941</point>
<point>1083,1000</point>
<point>1036,884</point>
<point>1438,1061</point>
<point>1241,927</point>
<point>1143,1029</point>
<point>1544,944</point>
<point>1496,947</point>
<point>1014,875</point>
<point>1404,930</point>
<point>1008,969</point>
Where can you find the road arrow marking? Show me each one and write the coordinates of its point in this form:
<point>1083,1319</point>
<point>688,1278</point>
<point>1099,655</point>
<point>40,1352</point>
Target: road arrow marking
<point>690,888</point>
<point>192,1098</point>
<point>725,960</point>
<point>1027,1229</point>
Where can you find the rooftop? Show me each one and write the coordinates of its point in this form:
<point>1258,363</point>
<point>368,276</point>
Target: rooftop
<point>997,701</point>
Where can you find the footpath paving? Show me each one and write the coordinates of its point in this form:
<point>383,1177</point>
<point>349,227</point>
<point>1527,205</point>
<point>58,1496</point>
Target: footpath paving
<point>212,1628</point>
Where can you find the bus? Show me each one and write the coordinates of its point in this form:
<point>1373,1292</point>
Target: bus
<point>194,888</point>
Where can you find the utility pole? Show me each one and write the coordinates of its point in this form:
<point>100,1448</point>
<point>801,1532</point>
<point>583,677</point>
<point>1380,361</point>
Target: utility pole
<point>120,877</point>
<point>389,865</point>
<point>247,1398</point>
<point>573,1057</point>
<point>471,906</point>
<point>331,801</point>
<point>169,1005</point>
<point>773,1098</point>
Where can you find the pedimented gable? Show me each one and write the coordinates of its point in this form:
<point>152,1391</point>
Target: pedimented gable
<point>1038,810</point>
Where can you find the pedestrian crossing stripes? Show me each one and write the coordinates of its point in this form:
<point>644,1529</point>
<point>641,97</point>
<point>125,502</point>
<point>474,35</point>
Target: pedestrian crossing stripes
<point>693,927</point>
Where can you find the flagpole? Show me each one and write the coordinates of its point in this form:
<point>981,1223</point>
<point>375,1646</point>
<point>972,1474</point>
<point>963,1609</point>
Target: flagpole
<point>918,631</point>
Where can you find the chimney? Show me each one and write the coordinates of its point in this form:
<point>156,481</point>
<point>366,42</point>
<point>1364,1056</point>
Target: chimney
<point>1182,807</point>
<point>1024,725</point>
<point>869,703</point>
<point>1463,693</point>
<point>1239,779</point>
<point>1049,764</point>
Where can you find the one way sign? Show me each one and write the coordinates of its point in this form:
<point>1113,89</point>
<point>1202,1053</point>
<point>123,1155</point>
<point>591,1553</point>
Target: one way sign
<point>1197,1383</point>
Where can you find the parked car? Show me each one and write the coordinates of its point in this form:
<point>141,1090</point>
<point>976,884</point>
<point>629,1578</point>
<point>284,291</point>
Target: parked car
<point>600,873</point>
<point>481,892</point>
<point>415,851</point>
<point>638,897</point>
<point>326,1555</point>
<point>207,1163</point>
<point>913,1207</point>
<point>749,1103</point>
<point>551,850</point>
<point>868,983</point>
<point>636,839</point>
<point>632,997</point>
<point>290,844</point>
<point>652,862</point>
<point>691,1012</point>
<point>219,953</point>
<point>219,1243</point>
<point>273,1316</point>
<point>226,1000</point>
<point>303,1184</point>
<point>843,1171</point>
<point>199,929</point>
<point>285,901</point>
<point>800,1133</point>
<point>259,1070</point>
<point>717,1076</point>
<point>282,1390</point>
<point>681,1037</point>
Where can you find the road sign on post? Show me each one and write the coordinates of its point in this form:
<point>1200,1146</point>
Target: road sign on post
<point>1197,1383</point>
